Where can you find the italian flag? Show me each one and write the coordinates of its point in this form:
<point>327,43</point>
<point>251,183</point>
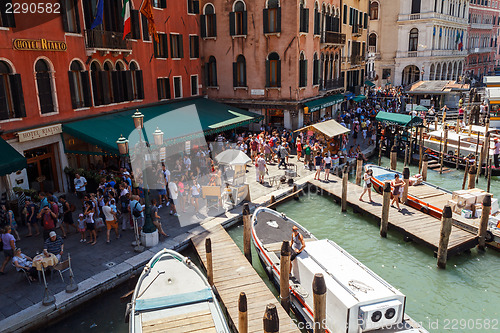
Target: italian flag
<point>126,18</point>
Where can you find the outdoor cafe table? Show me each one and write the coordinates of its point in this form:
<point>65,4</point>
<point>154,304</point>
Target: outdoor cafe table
<point>42,261</point>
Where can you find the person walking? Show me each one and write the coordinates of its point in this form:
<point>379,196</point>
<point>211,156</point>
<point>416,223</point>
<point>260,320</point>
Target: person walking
<point>367,184</point>
<point>307,155</point>
<point>397,184</point>
<point>261,168</point>
<point>67,219</point>
<point>111,221</point>
<point>89,214</point>
<point>195,195</point>
<point>299,149</point>
<point>80,186</point>
<point>9,244</point>
<point>282,154</point>
<point>496,152</point>
<point>318,160</point>
<point>31,217</point>
<point>327,163</point>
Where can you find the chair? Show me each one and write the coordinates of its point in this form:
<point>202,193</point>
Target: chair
<point>62,267</point>
<point>213,195</point>
<point>24,272</point>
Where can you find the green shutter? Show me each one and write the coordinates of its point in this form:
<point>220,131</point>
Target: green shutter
<point>232,22</point>
<point>72,91</point>
<point>17,95</point>
<point>203,25</point>
<point>279,74</point>
<point>235,74</point>
<point>278,20</point>
<point>268,73</point>
<point>87,96</point>
<point>265,15</point>
<point>245,23</point>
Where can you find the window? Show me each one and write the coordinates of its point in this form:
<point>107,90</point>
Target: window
<point>177,87</point>
<point>272,17</point>
<point>95,75</point>
<point>11,94</point>
<point>117,82</point>
<point>240,72</point>
<point>415,6</point>
<point>315,70</point>
<point>79,86</point>
<point>7,19</point>
<point>413,45</point>
<point>163,86</point>
<point>317,19</point>
<point>161,48</point>
<point>372,43</point>
<point>145,28</point>
<point>44,84</point>
<point>136,87</point>
<point>386,74</point>
<point>302,70</point>
<point>208,22</point>
<point>304,17</point>
<point>374,10</point>
<point>211,72</point>
<point>176,49</point>
<point>159,3</point>
<point>194,47</point>
<point>273,70</point>
<point>238,20</point>
<point>193,6</point>
<point>345,14</point>
<point>69,15</point>
<point>194,85</point>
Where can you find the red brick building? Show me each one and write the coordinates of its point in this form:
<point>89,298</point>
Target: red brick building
<point>59,70</point>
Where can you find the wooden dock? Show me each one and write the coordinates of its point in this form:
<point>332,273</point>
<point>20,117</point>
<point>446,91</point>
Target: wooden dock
<point>234,274</point>
<point>415,225</point>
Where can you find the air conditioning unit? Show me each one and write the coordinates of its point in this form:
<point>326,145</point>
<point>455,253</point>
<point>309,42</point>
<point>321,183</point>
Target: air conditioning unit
<point>378,315</point>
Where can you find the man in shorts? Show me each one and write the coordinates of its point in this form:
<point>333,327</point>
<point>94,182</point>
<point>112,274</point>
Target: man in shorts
<point>111,222</point>
<point>80,189</point>
<point>261,167</point>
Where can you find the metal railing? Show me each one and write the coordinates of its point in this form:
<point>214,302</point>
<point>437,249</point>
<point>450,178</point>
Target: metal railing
<point>101,39</point>
<point>357,59</point>
<point>331,84</point>
<point>432,15</point>
<point>331,37</point>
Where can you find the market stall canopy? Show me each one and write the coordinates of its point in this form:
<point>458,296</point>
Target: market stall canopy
<point>399,119</point>
<point>359,98</point>
<point>330,128</point>
<point>232,157</point>
<point>173,118</point>
<point>11,160</point>
<point>420,108</point>
<point>324,102</point>
<point>369,83</point>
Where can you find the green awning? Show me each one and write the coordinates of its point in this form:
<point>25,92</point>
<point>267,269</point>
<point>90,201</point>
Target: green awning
<point>398,119</point>
<point>11,160</point>
<point>359,98</point>
<point>174,119</point>
<point>369,83</point>
<point>324,102</point>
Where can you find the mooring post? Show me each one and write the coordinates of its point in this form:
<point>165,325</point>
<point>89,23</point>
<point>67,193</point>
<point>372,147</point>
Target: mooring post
<point>359,169</point>
<point>247,233</point>
<point>210,270</point>
<point>420,149</point>
<point>242,313</point>
<point>405,161</point>
<point>271,320</point>
<point>319,296</point>
<point>285,275</point>
<point>394,157</point>
<point>425,165</point>
<point>472,177</point>
<point>410,154</point>
<point>483,226</point>
<point>435,123</point>
<point>488,186</point>
<point>458,153</point>
<point>345,180</point>
<point>444,237</point>
<point>379,162</point>
<point>466,172</point>
<point>406,178</point>
<point>273,199</point>
<point>296,195</point>
<point>445,149</point>
<point>386,200</point>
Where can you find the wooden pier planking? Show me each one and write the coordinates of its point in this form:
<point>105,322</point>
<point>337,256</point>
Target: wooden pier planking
<point>420,227</point>
<point>234,274</point>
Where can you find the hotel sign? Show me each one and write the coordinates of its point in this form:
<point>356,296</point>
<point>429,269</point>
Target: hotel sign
<point>38,45</point>
<point>39,133</point>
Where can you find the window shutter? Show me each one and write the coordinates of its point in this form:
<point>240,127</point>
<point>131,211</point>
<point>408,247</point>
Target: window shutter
<point>306,19</point>
<point>315,72</point>
<point>279,73</point>
<point>134,22</point>
<point>245,74</point>
<point>317,17</point>
<point>145,28</point>
<point>172,37</point>
<point>7,19</point>
<point>159,88</point>
<point>203,25</point>
<point>45,92</point>
<point>245,23</point>
<point>215,26</point>
<point>87,97</point>
<point>95,88</point>
<point>105,84</point>
<point>365,23</point>
<point>155,47</point>
<point>4,114</point>
<point>205,74</point>
<point>268,73</point>
<point>163,3</point>
<point>305,72</point>
<point>232,22</point>
<point>266,20</point>
<point>215,75</point>
<point>64,11</point>
<point>77,16</point>
<point>140,84</point>
<point>118,94</point>
<point>164,52</point>
<point>72,91</point>
<point>345,14</point>
<point>235,74</point>
<point>278,20</point>
<point>196,7</point>
<point>128,90</point>
<point>17,95</point>
<point>181,47</point>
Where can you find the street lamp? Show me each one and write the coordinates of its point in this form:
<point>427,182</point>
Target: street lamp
<point>138,119</point>
<point>158,137</point>
<point>122,144</point>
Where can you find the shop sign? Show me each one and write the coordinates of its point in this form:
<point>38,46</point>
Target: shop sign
<point>38,45</point>
<point>257,92</point>
<point>39,133</point>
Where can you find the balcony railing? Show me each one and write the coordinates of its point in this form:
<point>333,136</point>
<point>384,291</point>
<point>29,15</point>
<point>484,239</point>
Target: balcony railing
<point>476,50</point>
<point>482,26</point>
<point>334,38</point>
<point>357,29</point>
<point>331,84</point>
<point>106,40</point>
<point>357,59</point>
<point>431,53</point>
<point>432,15</point>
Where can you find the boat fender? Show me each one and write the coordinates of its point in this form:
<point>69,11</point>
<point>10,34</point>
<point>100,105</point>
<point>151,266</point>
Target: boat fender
<point>269,270</point>
<point>128,310</point>
<point>424,210</point>
<point>297,288</point>
<point>489,236</point>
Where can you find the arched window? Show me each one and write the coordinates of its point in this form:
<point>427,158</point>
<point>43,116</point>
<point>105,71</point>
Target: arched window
<point>273,70</point>
<point>374,10</point>
<point>107,83</point>
<point>302,70</point>
<point>11,93</point>
<point>317,19</point>
<point>240,72</point>
<point>45,87</point>
<point>315,69</point>
<point>208,22</point>
<point>372,43</point>
<point>238,19</point>
<point>413,45</point>
<point>272,17</point>
<point>304,17</point>
<point>136,86</point>
<point>79,85</point>
<point>117,82</point>
<point>95,75</point>
<point>211,72</point>
<point>432,73</point>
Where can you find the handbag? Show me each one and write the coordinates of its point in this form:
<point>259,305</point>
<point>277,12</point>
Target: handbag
<point>137,213</point>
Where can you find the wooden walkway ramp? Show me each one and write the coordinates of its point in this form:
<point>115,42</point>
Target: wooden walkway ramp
<point>234,274</point>
<point>417,226</point>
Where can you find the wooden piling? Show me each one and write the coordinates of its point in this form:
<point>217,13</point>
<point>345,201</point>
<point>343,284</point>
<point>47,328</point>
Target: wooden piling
<point>319,296</point>
<point>441,155</point>
<point>242,313</point>
<point>247,232</point>
<point>489,176</point>
<point>406,178</point>
<point>210,269</point>
<point>482,156</point>
<point>425,166</point>
<point>296,195</point>
<point>386,202</point>
<point>444,236</point>
<point>472,177</point>
<point>271,320</point>
<point>483,226</point>
<point>466,172</point>
<point>410,154</point>
<point>273,199</point>
<point>445,149</point>
<point>359,169</point>
<point>285,275</point>
<point>394,157</point>
<point>345,180</point>
<point>435,123</point>
<point>458,153</point>
<point>379,162</point>
<point>405,161</point>
<point>420,149</point>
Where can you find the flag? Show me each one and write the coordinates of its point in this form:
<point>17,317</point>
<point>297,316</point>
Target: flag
<point>147,11</point>
<point>461,44</point>
<point>457,39</point>
<point>98,16</point>
<point>126,18</point>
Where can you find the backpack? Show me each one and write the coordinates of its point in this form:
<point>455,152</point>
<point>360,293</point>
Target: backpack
<point>137,213</point>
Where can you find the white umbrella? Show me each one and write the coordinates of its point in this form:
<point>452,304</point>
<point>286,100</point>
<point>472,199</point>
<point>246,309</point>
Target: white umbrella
<point>232,157</point>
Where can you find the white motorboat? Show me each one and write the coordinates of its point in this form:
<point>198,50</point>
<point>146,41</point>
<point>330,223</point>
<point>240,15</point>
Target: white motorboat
<point>173,295</point>
<point>358,300</point>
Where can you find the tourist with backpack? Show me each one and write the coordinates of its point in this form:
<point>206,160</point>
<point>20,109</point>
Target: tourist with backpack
<point>67,219</point>
<point>32,217</point>
<point>48,219</point>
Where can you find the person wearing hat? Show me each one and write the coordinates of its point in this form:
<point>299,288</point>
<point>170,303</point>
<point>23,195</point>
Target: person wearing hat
<point>496,152</point>
<point>54,244</point>
<point>82,228</point>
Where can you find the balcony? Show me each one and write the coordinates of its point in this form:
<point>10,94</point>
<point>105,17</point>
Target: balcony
<point>331,84</point>
<point>107,41</point>
<point>477,50</point>
<point>333,38</point>
<point>481,26</point>
<point>357,59</point>
<point>357,30</point>
<point>431,53</point>
<point>430,16</point>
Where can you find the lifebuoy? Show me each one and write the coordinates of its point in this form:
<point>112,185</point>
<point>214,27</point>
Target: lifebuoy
<point>489,236</point>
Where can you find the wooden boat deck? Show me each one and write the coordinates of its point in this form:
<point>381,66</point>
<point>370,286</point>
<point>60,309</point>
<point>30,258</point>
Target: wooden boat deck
<point>420,227</point>
<point>234,274</point>
<point>188,322</point>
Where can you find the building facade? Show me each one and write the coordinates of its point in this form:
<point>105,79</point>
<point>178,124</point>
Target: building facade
<point>272,56</point>
<point>59,68</point>
<point>430,43</point>
<point>484,17</point>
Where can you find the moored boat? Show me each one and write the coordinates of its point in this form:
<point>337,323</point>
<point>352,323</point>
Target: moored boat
<point>172,294</point>
<point>357,300</point>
